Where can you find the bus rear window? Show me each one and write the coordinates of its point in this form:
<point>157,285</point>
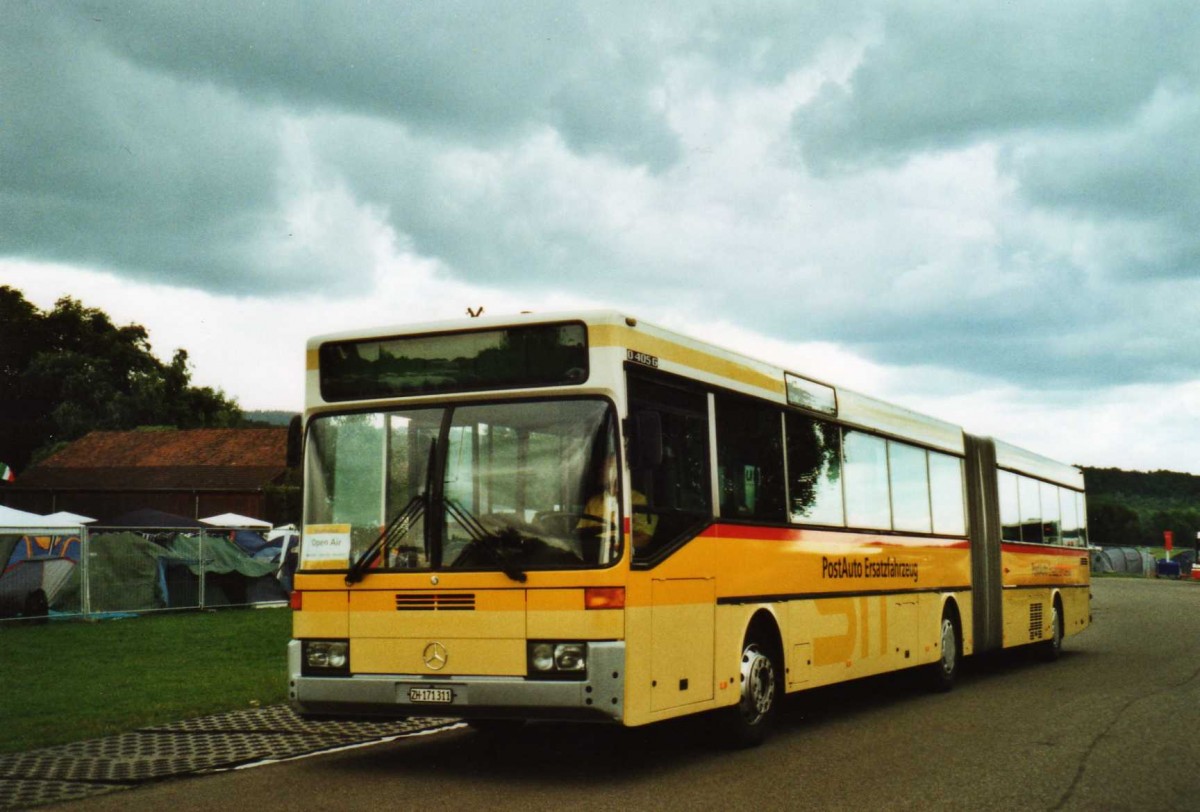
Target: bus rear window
<point>538,355</point>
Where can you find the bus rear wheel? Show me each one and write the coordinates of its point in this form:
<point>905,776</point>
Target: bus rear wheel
<point>748,723</point>
<point>1050,650</point>
<point>944,672</point>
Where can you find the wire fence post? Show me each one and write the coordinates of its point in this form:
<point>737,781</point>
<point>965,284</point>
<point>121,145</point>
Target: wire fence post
<point>203,568</point>
<point>85,579</point>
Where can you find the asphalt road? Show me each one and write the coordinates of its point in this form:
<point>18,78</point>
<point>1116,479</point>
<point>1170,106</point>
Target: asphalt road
<point>1111,725</point>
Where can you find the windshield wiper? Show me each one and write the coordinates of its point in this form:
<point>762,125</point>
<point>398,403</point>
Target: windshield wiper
<point>396,530</point>
<point>490,543</point>
<point>398,527</point>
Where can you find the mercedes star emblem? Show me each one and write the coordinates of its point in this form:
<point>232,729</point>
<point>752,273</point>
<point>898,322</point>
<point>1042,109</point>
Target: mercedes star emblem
<point>435,656</point>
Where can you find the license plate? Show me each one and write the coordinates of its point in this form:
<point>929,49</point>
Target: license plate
<point>431,696</point>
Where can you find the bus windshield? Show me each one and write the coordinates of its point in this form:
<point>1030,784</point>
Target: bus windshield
<point>503,487</point>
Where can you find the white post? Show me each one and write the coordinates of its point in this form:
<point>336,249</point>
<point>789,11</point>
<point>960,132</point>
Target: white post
<point>85,587</point>
<point>203,568</point>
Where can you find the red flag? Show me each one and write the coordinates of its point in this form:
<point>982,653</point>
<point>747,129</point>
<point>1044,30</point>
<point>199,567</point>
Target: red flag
<point>1169,539</point>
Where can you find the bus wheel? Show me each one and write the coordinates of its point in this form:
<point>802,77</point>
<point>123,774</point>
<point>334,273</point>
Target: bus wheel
<point>1051,649</point>
<point>749,721</point>
<point>944,672</point>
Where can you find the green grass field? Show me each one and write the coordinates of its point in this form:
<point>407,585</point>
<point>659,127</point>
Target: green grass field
<point>68,680</point>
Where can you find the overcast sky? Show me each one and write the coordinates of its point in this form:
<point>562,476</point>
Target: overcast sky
<point>989,212</point>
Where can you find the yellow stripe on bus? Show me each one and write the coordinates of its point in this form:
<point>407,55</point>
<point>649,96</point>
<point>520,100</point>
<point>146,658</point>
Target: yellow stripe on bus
<point>610,335</point>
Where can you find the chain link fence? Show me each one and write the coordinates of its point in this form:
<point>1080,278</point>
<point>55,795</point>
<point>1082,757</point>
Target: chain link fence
<point>101,571</point>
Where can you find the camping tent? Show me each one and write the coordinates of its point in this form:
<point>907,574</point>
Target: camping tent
<point>126,573</point>
<point>148,518</point>
<point>67,516</point>
<point>230,576</point>
<point>19,522</point>
<point>38,557</point>
<point>1186,559</point>
<point>234,520</point>
<point>144,560</point>
<point>288,539</point>
<point>281,531</point>
<point>1125,559</point>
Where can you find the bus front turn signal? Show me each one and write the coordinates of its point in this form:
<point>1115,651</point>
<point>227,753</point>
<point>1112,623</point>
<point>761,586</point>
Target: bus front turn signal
<point>604,597</point>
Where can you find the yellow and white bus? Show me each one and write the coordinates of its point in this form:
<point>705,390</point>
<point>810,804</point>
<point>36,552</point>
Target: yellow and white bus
<point>584,516</point>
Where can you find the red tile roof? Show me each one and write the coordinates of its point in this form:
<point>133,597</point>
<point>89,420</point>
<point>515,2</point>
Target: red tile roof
<point>225,459</point>
<point>123,449</point>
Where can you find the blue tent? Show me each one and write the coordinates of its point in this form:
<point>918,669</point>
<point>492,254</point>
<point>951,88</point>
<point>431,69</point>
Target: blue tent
<point>38,555</point>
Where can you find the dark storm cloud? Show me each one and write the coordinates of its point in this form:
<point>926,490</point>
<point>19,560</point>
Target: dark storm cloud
<point>479,73</point>
<point>945,75</point>
<point>1138,183</point>
<point>154,139</point>
<point>109,166</point>
<point>1094,110</point>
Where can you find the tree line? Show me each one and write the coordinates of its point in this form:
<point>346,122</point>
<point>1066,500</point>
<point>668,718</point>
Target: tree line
<point>69,370</point>
<point>1133,508</point>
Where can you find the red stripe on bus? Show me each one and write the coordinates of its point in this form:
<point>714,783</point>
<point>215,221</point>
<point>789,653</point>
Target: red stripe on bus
<point>1044,549</point>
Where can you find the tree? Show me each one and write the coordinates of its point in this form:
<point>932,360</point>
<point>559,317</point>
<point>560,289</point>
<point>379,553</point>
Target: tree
<point>70,370</point>
<point>21,412</point>
<point>1112,524</point>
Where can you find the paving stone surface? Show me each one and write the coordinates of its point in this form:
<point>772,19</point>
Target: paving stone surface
<point>218,742</point>
<point>21,794</point>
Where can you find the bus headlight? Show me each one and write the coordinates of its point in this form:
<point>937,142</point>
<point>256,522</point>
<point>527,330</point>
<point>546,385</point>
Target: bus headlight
<point>554,660</point>
<point>570,657</point>
<point>325,657</point>
<point>541,656</point>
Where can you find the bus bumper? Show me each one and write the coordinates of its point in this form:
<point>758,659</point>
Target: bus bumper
<point>598,697</point>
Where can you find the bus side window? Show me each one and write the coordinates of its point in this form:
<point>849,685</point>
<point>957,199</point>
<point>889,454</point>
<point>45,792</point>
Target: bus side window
<point>750,456</point>
<point>1051,514</point>
<point>1029,493</point>
<point>1070,517</point>
<point>814,468</point>
<point>1010,506</point>
<point>671,499</point>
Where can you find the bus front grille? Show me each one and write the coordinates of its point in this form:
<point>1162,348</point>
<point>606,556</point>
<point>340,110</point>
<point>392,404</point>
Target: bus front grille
<point>435,601</point>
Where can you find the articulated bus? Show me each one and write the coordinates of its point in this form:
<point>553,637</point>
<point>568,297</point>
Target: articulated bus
<point>583,516</point>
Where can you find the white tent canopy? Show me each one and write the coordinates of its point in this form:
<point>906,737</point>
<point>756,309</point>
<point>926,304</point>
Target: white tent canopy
<point>233,520</point>
<point>68,516</point>
<point>14,522</point>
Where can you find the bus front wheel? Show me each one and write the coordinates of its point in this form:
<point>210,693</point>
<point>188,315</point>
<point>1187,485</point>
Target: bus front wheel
<point>749,721</point>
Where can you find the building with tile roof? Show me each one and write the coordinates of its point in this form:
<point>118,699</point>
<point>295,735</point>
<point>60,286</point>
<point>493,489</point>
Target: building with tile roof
<point>188,472</point>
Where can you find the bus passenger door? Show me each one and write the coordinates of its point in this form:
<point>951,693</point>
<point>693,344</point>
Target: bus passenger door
<point>682,628</point>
